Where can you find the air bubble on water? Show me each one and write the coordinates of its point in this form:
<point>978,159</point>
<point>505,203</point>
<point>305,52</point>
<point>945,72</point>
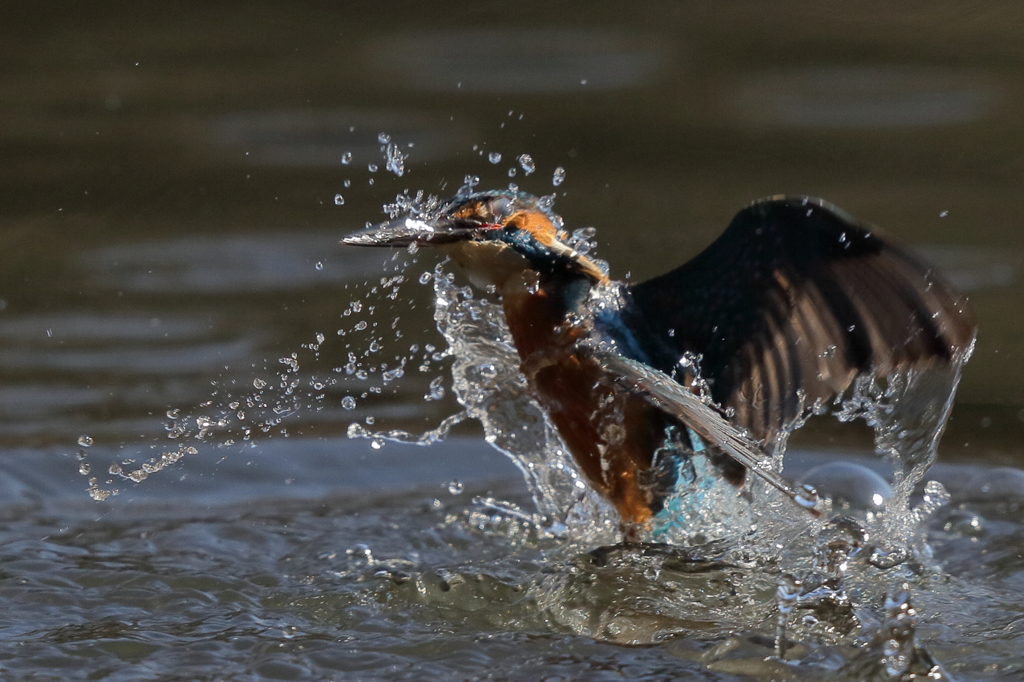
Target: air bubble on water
<point>319,265</point>
<point>850,486</point>
<point>339,200</point>
<point>526,163</point>
<point>455,487</point>
<point>494,157</point>
<point>372,167</point>
<point>425,278</point>
<point>259,383</point>
<point>85,441</point>
<point>346,158</point>
<point>559,176</point>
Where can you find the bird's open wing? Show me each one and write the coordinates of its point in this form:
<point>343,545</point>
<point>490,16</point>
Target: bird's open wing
<point>674,399</point>
<point>791,303</point>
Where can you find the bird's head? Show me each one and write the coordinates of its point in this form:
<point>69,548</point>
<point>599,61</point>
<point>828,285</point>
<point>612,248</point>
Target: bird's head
<point>492,235</point>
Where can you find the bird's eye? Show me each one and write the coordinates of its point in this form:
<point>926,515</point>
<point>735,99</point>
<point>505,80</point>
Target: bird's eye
<point>501,208</point>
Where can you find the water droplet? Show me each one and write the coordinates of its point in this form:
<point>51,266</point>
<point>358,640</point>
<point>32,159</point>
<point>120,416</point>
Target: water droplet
<point>559,177</point>
<point>99,494</point>
<point>395,160</point>
<point>85,441</point>
<point>494,157</point>
<point>319,265</point>
<point>383,138</point>
<point>372,167</point>
<point>455,487</point>
<point>436,390</point>
<point>339,200</point>
<point>376,443</point>
<point>346,158</point>
<point>526,163</point>
<point>259,383</point>
<point>943,214</point>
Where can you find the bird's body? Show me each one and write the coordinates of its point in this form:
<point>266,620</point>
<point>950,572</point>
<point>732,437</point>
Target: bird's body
<point>782,313</point>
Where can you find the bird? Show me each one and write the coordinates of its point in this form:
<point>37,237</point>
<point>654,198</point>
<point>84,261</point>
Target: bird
<point>705,368</point>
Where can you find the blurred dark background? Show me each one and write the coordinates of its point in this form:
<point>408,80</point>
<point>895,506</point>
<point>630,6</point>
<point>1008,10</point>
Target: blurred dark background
<point>168,171</point>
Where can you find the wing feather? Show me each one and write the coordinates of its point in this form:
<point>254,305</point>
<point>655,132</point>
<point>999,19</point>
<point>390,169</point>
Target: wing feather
<point>790,304</point>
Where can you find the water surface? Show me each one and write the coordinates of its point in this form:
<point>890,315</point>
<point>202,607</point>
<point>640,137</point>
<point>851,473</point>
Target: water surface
<point>168,233</point>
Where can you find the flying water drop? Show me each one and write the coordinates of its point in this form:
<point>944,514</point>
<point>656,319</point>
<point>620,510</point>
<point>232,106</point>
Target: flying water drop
<point>526,163</point>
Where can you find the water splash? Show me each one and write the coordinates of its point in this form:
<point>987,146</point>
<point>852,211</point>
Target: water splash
<point>826,576</point>
<point>812,582</point>
<point>908,413</point>
<point>239,414</point>
<point>488,384</point>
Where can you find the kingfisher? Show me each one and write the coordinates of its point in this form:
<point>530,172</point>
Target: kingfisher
<point>709,366</point>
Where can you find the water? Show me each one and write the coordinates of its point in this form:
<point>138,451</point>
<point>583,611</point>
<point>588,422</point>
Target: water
<point>169,233</point>
<point>781,593</point>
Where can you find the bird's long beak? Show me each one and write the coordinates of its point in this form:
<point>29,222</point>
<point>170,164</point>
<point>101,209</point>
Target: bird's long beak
<point>407,230</point>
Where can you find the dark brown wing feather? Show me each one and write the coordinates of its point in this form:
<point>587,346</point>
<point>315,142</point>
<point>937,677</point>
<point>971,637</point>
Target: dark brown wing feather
<point>791,303</point>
